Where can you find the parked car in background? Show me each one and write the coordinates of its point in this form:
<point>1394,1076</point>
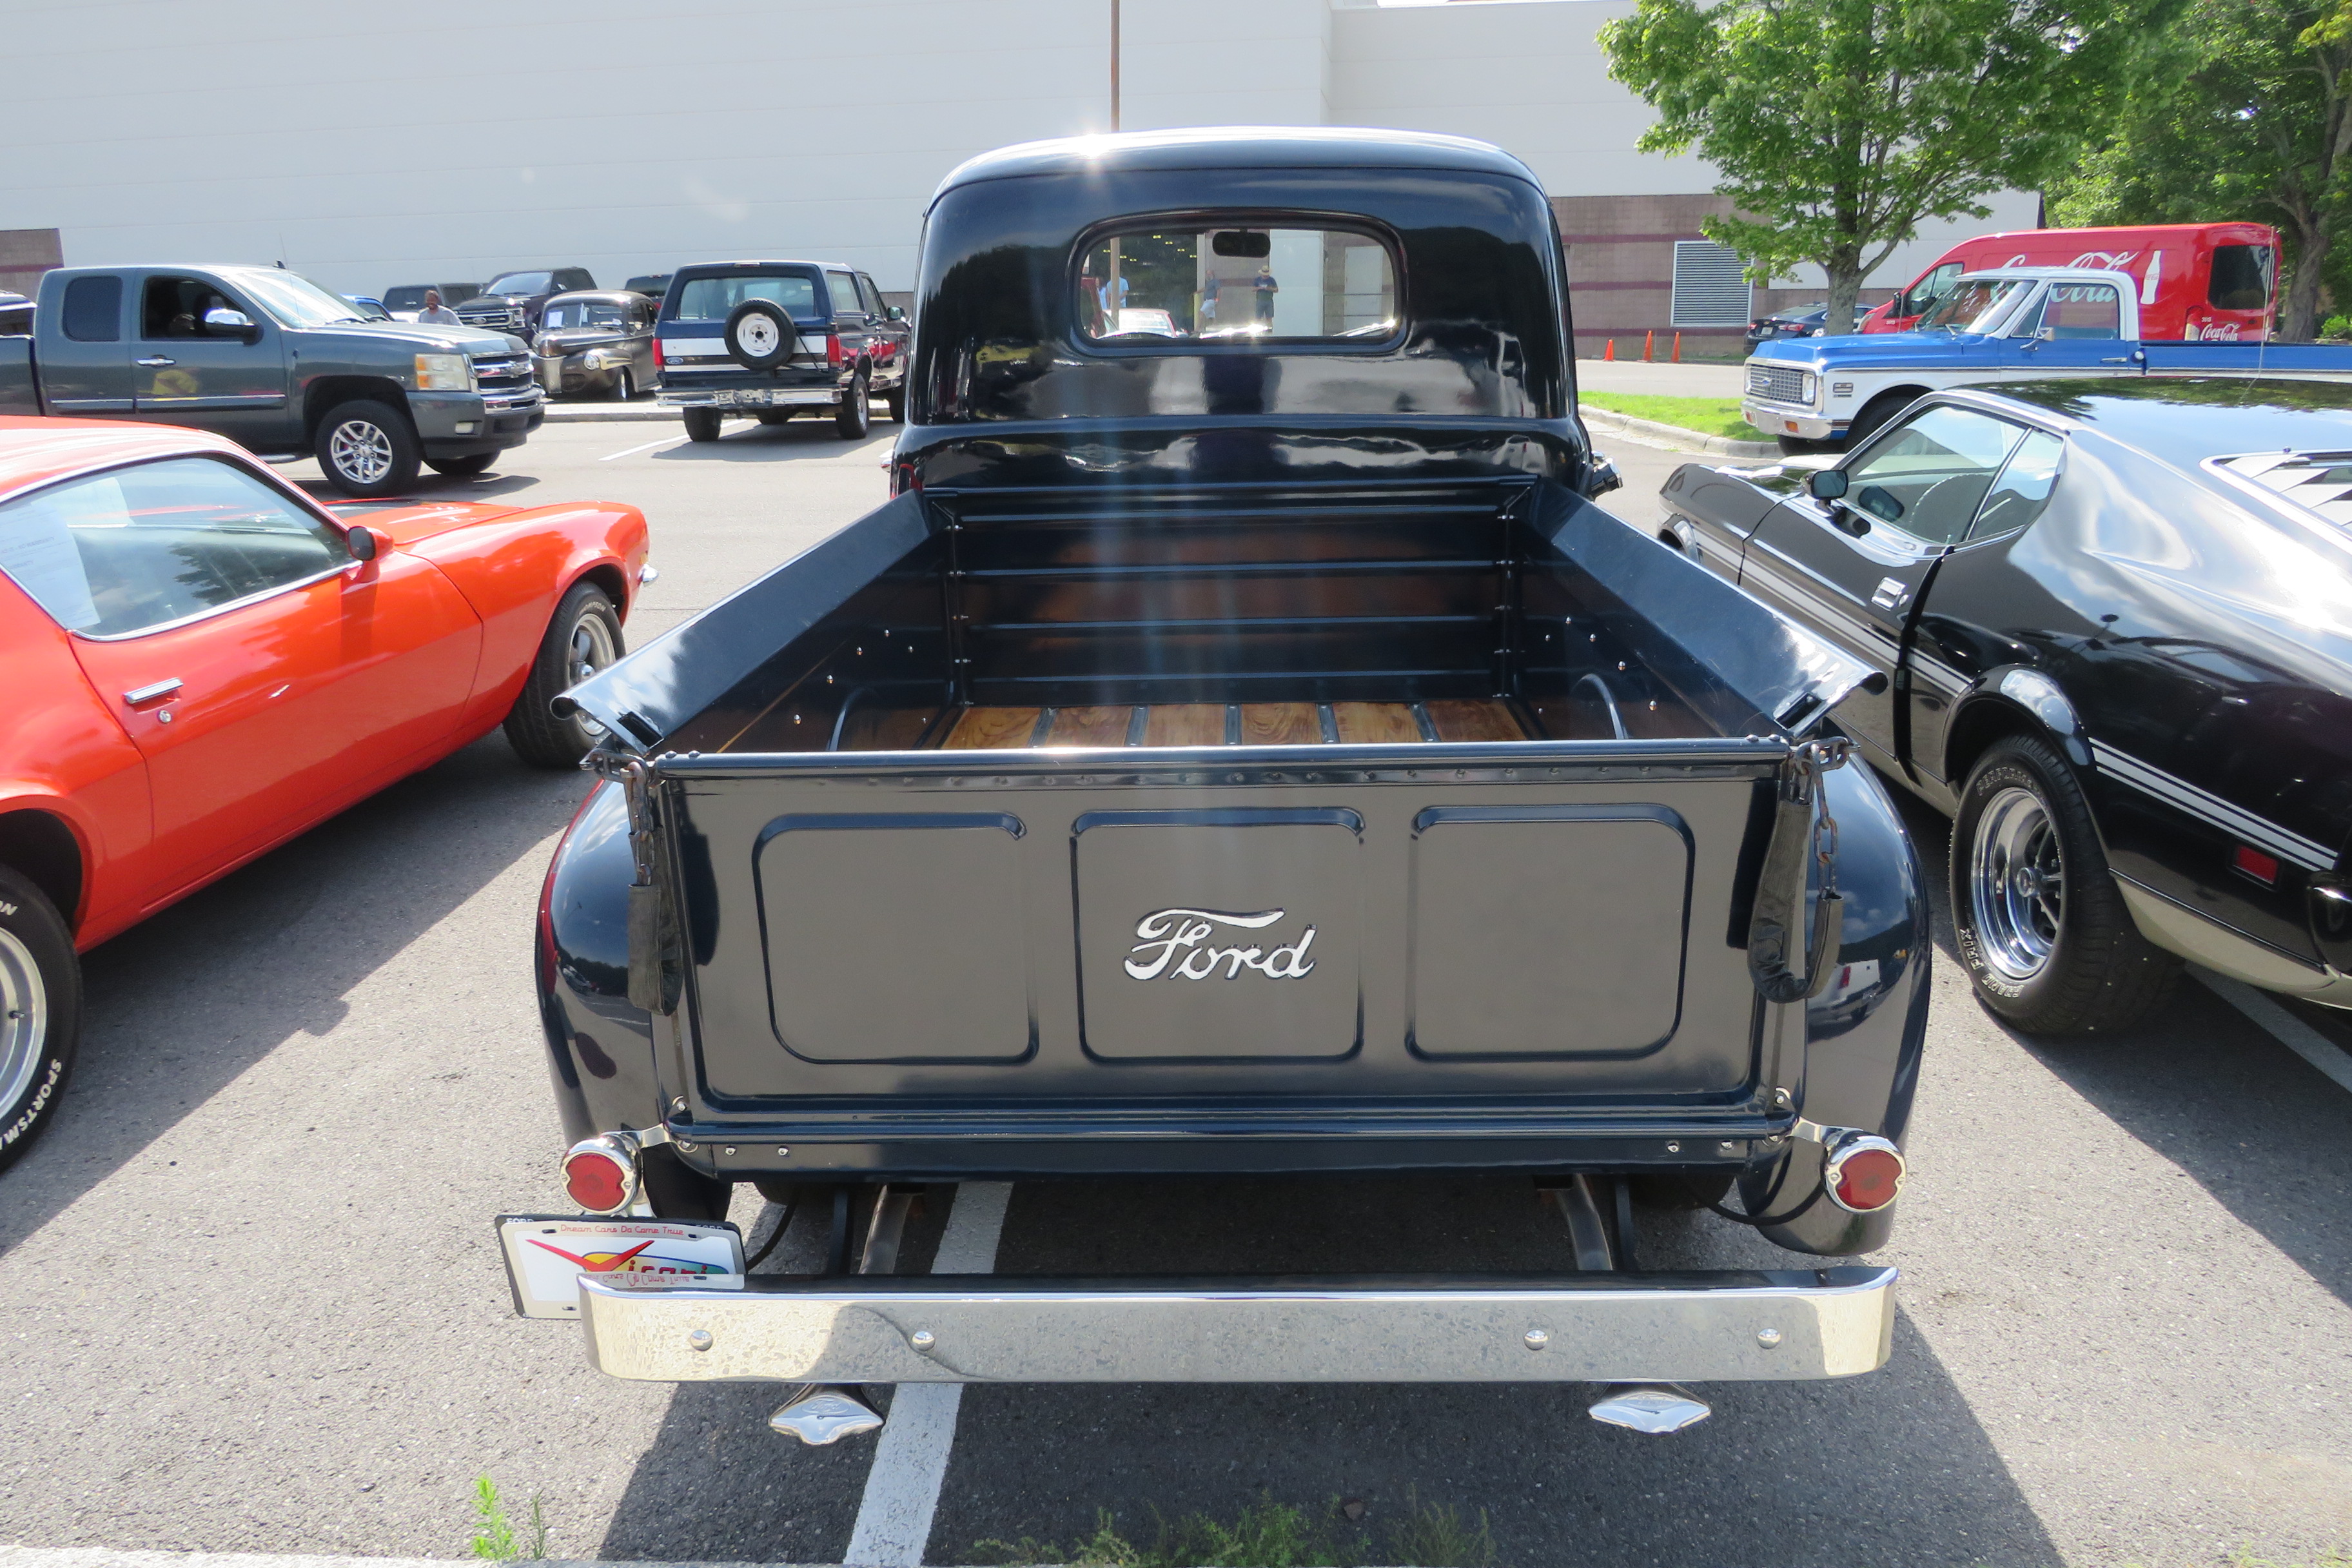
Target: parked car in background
<point>512,301</point>
<point>599,341</point>
<point>653,285</point>
<point>2194,280</point>
<point>370,309</point>
<point>2020,323</point>
<point>773,338</point>
<point>205,662</point>
<point>2115,621</point>
<point>1794,322</point>
<point>16,314</point>
<point>1238,759</point>
<point>275,364</point>
<point>405,301</point>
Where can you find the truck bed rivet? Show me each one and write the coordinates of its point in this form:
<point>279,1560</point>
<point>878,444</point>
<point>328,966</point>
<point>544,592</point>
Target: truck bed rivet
<point>923,1340</point>
<point>1538,1339</point>
<point>685,1147</point>
<point>1674,1148</point>
<point>699,1339</point>
<point>1769,1338</point>
<point>730,1150</point>
<point>784,1153</point>
<point>678,1106</point>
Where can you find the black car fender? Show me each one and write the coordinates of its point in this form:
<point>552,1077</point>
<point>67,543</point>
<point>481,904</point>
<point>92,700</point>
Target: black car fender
<point>1865,1030</point>
<point>2010,699</point>
<point>600,1046</point>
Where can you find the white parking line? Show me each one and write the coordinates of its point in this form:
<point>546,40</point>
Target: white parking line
<point>664,441</point>
<point>2285,1026</point>
<point>902,1490</point>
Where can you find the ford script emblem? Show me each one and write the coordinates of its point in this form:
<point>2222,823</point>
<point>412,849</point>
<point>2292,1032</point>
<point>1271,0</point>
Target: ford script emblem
<point>1163,934</point>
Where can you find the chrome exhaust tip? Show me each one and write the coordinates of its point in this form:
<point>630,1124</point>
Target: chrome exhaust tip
<point>819,1416</point>
<point>1650,1407</point>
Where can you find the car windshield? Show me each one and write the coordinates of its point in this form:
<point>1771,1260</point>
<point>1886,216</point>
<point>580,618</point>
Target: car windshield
<point>521,283</point>
<point>1972,299</point>
<point>293,299</point>
<point>562,313</point>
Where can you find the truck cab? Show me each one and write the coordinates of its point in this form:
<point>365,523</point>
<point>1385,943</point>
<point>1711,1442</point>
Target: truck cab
<point>275,364</point>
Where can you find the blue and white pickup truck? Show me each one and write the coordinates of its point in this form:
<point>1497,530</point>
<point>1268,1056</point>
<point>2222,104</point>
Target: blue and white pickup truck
<point>2020,323</point>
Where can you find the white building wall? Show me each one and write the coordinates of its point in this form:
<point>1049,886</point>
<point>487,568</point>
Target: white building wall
<point>443,139</point>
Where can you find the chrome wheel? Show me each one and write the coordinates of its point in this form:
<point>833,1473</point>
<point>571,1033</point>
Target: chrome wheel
<point>591,649</point>
<point>24,1018</point>
<point>2017,884</point>
<point>360,451</point>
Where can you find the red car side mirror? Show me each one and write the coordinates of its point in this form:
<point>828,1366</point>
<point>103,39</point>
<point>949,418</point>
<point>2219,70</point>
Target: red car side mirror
<point>361,542</point>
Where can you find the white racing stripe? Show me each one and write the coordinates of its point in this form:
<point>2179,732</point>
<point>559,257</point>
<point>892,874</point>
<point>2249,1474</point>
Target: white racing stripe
<point>902,1490</point>
<point>2283,1026</point>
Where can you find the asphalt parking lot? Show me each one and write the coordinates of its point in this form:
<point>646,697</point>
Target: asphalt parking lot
<point>250,1300</point>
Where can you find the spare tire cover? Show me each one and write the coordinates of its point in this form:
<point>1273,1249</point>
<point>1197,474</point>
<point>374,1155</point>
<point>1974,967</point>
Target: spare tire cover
<point>759,335</point>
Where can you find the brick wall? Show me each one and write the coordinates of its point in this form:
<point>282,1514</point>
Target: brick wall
<point>24,255</point>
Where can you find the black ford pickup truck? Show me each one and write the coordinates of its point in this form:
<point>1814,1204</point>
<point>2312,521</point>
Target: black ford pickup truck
<point>1241,747</point>
<point>275,364</point>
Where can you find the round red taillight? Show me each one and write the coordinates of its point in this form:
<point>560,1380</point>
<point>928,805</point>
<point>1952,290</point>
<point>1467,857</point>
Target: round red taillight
<point>600,1180</point>
<point>1864,1175</point>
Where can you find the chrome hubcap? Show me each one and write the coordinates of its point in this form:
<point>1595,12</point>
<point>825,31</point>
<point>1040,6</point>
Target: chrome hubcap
<point>24,1018</point>
<point>360,452</point>
<point>592,650</point>
<point>2017,884</point>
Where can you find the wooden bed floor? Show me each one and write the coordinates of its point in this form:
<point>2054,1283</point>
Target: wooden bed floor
<point>1235,724</point>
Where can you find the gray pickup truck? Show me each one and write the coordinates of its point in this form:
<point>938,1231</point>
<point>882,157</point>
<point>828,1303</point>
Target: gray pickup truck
<point>273,361</point>
<point>1240,749</point>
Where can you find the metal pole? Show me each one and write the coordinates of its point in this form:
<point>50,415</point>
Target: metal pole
<point>1114,64</point>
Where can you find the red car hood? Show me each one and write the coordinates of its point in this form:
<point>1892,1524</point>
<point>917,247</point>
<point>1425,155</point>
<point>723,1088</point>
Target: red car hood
<point>412,523</point>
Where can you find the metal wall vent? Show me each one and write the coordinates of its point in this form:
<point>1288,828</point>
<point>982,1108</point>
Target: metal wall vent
<point>2319,482</point>
<point>1710,286</point>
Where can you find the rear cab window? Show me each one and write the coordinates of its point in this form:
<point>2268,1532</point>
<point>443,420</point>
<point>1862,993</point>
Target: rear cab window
<point>93,309</point>
<point>713,298</point>
<point>1239,284</point>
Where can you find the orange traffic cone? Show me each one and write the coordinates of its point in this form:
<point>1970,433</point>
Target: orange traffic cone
<point>1611,352</point>
<point>1649,345</point>
<point>1678,348</point>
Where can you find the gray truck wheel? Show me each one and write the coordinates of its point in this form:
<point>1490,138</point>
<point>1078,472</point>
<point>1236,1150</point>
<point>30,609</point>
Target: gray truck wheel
<point>895,400</point>
<point>624,387</point>
<point>855,418</point>
<point>2043,935</point>
<point>367,449</point>
<point>1876,412</point>
<point>583,638</point>
<point>702,425</point>
<point>40,1013</point>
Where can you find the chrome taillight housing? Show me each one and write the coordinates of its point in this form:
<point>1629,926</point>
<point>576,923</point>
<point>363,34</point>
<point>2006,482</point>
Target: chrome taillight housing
<point>1863,1173</point>
<point>601,1173</point>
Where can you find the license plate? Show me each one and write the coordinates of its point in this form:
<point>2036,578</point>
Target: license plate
<point>547,1253</point>
<point>747,399</point>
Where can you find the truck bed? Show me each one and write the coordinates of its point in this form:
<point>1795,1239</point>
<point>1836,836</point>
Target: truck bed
<point>1085,823</point>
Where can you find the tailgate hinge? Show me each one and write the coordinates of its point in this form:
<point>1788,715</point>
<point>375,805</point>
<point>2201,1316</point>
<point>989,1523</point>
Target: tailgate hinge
<point>1802,828</point>
<point>653,952</point>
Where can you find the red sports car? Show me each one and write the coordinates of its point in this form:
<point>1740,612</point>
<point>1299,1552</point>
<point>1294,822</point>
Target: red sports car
<point>204,663</point>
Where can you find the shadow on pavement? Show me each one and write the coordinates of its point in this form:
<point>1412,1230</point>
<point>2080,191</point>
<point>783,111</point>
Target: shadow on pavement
<point>795,441</point>
<point>1779,1469</point>
<point>180,1005</point>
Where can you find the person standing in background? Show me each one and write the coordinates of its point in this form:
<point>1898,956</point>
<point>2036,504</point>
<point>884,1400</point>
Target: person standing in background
<point>1266,289</point>
<point>436,314</point>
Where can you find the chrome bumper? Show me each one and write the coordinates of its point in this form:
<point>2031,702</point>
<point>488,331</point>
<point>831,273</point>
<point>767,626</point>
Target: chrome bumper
<point>1770,1325</point>
<point>753,398</point>
<point>1781,419</point>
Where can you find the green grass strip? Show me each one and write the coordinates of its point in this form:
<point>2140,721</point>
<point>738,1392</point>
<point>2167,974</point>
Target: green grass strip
<point>1707,415</point>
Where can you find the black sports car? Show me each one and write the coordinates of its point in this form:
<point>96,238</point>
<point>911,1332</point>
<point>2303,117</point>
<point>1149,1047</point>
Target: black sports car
<point>2116,620</point>
<point>1794,322</point>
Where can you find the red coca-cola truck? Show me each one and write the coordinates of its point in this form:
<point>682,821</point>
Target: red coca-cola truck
<point>2197,280</point>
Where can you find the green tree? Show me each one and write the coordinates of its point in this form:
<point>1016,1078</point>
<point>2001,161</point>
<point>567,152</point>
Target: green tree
<point>2248,115</point>
<point>1839,126</point>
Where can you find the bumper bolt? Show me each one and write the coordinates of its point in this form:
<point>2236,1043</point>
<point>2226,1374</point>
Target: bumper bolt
<point>1537,1339</point>
<point>1769,1338</point>
<point>699,1339</point>
<point>923,1340</point>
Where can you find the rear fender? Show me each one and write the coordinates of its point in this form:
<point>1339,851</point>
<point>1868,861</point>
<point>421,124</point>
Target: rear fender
<point>600,1048</point>
<point>1865,1032</point>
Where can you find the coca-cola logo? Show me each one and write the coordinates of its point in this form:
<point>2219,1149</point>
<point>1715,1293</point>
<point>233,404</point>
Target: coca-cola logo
<point>1174,944</point>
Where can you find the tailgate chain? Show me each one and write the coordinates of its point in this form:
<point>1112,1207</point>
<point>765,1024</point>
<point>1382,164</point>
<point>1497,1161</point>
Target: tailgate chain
<point>1801,824</point>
